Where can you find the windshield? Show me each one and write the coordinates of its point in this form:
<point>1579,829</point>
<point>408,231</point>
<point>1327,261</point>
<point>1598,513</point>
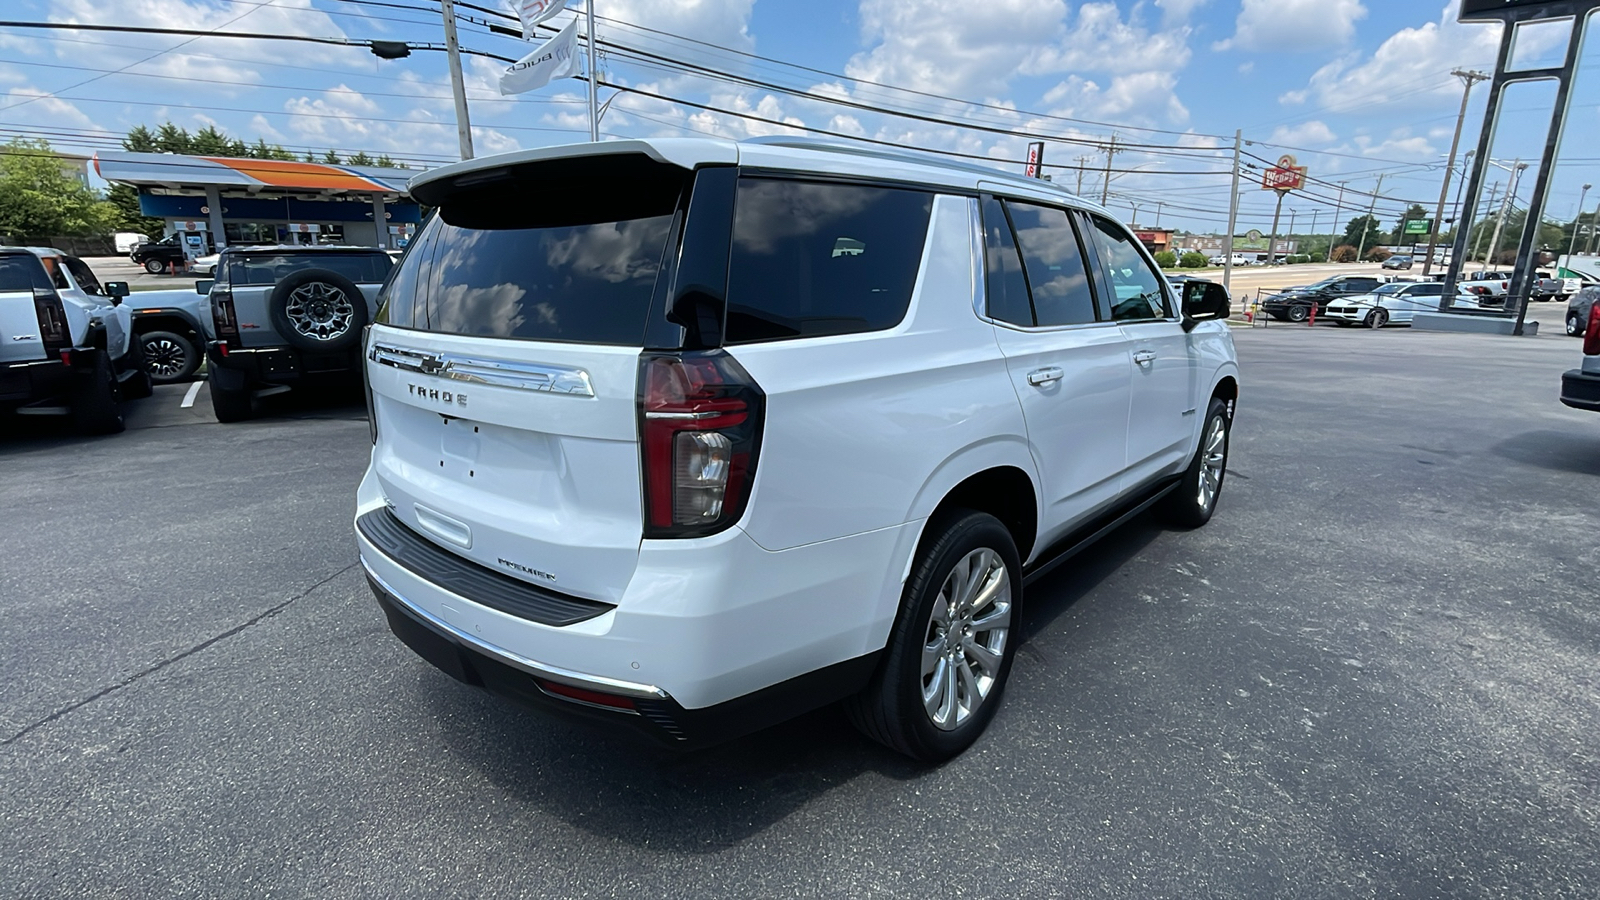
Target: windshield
<point>1391,289</point>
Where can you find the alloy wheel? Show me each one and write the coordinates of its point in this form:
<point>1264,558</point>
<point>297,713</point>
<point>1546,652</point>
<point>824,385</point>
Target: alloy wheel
<point>1213,461</point>
<point>165,358</point>
<point>319,311</point>
<point>964,643</point>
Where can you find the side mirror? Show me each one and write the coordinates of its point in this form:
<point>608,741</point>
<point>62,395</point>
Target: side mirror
<point>203,286</point>
<point>1203,301</point>
<point>116,290</point>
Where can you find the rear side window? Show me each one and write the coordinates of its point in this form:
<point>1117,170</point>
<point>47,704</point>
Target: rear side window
<point>812,259</point>
<point>400,298</point>
<point>1056,273</point>
<point>1006,287</point>
<point>270,268</point>
<point>84,276</point>
<point>20,273</point>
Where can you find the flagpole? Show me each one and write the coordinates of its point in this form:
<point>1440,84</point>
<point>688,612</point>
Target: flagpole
<point>594,111</point>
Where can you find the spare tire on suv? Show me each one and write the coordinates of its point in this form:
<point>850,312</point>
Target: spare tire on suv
<point>318,310</point>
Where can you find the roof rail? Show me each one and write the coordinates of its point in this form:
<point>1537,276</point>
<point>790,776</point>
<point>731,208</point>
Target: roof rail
<point>921,157</point>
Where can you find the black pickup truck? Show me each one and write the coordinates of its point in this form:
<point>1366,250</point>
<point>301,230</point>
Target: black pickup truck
<point>159,256</point>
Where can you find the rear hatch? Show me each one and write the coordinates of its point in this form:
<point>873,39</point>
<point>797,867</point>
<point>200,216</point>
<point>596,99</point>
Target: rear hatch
<point>504,368</point>
<point>21,339</point>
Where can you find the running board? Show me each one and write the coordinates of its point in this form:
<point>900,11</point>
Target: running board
<point>43,411</point>
<point>1073,544</point>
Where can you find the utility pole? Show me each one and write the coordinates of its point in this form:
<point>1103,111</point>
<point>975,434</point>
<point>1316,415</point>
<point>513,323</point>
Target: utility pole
<point>594,110</point>
<point>1367,225</point>
<point>1577,223</point>
<point>1233,214</point>
<point>1111,150</point>
<point>1505,208</point>
<point>1314,214</point>
<point>1158,213</point>
<point>1290,235</point>
<point>457,87</point>
<point>1082,162</point>
<point>1494,191</point>
<point>1338,211</point>
<point>1469,78</point>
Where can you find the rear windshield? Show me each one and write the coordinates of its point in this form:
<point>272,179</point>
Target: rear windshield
<point>19,273</point>
<point>565,256</point>
<point>270,268</point>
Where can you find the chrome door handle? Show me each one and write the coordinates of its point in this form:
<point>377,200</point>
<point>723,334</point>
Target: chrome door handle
<point>1144,357</point>
<point>1039,377</point>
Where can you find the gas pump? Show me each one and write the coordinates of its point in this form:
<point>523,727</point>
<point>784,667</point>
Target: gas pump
<point>194,240</point>
<point>304,232</point>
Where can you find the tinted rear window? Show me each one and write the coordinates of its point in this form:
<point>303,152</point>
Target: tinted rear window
<point>268,268</point>
<point>812,258</point>
<point>20,273</point>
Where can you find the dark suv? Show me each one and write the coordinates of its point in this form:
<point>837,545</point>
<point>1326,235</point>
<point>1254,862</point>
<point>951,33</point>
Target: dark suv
<point>285,316</point>
<point>1295,304</point>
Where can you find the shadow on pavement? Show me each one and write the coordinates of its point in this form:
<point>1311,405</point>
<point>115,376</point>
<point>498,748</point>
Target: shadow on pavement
<point>1558,451</point>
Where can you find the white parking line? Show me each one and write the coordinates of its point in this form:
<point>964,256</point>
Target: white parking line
<point>188,399</point>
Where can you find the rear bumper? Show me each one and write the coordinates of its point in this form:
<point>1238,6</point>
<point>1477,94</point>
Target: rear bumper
<point>22,383</point>
<point>703,626</point>
<point>1581,390</point>
<point>284,365</point>
<point>641,709</point>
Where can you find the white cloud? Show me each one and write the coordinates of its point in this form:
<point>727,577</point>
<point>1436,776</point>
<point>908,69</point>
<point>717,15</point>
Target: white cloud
<point>27,104</point>
<point>1278,25</point>
<point>1313,132</point>
<point>1132,98</point>
<point>1177,12</point>
<point>1419,58</point>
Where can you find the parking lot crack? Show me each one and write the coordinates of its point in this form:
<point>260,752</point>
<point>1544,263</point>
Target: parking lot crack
<point>184,654</point>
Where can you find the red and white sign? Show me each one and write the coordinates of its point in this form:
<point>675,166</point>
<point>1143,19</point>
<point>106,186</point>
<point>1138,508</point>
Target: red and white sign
<point>304,228</point>
<point>188,226</point>
<point>1285,176</point>
<point>1035,159</point>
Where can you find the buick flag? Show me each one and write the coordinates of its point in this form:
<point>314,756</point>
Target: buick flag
<point>532,12</point>
<point>555,58</point>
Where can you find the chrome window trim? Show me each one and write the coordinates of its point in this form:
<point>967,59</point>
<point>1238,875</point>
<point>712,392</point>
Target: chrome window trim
<point>536,377</point>
<point>510,658</point>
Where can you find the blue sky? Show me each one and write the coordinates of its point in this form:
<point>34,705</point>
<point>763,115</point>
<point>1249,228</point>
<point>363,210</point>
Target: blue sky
<point>1354,88</point>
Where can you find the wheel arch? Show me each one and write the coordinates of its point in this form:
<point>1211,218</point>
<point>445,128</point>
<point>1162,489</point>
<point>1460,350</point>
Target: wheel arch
<point>996,476</point>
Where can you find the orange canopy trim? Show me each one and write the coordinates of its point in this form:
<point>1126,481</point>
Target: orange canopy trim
<point>310,176</point>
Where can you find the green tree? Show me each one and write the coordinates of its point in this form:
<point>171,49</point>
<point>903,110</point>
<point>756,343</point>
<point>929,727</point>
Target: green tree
<point>1363,224</point>
<point>360,158</point>
<point>39,199</point>
<point>172,139</point>
<point>384,162</point>
<point>1194,259</point>
<point>140,140</point>
<point>331,158</point>
<point>1166,259</point>
<point>1415,211</point>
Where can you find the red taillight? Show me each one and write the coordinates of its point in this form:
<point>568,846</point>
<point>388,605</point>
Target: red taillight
<point>1591,334</point>
<point>593,698</point>
<point>222,316</point>
<point>53,330</point>
<point>699,429</point>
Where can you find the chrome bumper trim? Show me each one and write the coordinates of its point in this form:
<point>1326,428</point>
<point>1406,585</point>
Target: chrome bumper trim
<point>515,660</point>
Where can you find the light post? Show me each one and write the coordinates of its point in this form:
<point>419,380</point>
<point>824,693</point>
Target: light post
<point>1577,223</point>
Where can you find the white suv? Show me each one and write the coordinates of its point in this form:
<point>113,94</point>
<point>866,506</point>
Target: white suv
<point>694,436</point>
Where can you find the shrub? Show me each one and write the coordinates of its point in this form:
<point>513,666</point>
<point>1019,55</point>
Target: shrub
<point>1299,258</point>
<point>1194,259</point>
<point>1166,259</point>
<point>1344,253</point>
<point>1378,254</point>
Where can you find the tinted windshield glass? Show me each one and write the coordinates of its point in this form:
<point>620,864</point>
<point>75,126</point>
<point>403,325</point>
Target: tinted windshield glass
<point>19,273</point>
<point>270,268</point>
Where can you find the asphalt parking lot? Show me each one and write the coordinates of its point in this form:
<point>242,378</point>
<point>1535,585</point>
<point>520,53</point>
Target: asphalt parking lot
<point>1376,673</point>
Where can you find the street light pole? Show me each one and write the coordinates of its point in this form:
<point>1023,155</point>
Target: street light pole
<point>1338,210</point>
<point>1469,78</point>
<point>1366,226</point>
<point>594,109</point>
<point>1577,223</point>
<point>457,86</point>
<point>1517,169</point>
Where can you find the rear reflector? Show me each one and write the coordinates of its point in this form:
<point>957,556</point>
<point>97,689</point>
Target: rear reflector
<point>593,698</point>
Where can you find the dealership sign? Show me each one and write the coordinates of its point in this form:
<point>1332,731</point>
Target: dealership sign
<point>1418,226</point>
<point>1285,176</point>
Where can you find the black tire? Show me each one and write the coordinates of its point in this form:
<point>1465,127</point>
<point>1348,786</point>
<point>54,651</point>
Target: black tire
<point>1299,313</point>
<point>891,709</point>
<point>231,404</point>
<point>96,404</point>
<point>155,266</point>
<point>169,357</point>
<point>1377,318</point>
<point>328,315</point>
<point>1574,326</point>
<point>1187,507</point>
